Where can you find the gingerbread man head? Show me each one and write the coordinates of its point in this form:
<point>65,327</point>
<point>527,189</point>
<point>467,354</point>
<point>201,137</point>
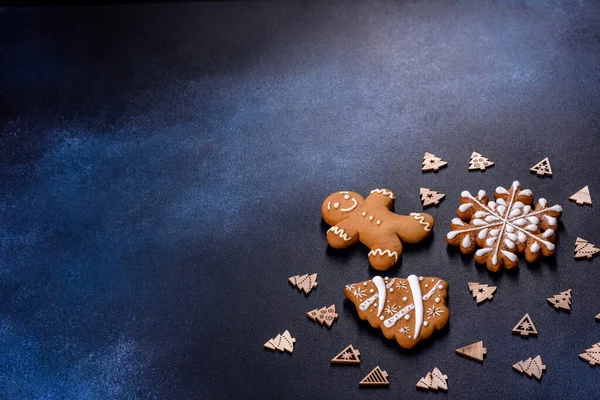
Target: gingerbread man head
<point>340,205</point>
<point>353,218</point>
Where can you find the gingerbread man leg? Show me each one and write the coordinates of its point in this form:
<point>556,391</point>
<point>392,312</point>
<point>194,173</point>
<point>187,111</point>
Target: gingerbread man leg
<point>385,252</point>
<point>342,235</point>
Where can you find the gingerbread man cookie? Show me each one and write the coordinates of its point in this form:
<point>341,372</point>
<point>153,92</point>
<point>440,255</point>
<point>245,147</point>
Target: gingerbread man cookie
<point>353,218</point>
<point>406,309</point>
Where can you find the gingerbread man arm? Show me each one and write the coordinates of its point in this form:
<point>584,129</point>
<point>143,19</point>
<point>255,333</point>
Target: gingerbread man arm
<point>413,228</point>
<point>343,235</point>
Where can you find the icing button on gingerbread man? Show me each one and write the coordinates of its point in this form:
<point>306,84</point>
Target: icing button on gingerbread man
<point>370,221</point>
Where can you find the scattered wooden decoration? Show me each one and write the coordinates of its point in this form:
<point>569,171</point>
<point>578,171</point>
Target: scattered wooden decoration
<point>349,355</point>
<point>282,342</point>
<point>434,380</point>
<point>584,249</point>
<point>525,327</point>
<point>481,291</point>
<point>377,377</point>
<point>430,197</point>
<point>542,168</point>
<point>479,162</point>
<point>432,163</point>
<point>597,317</point>
<point>304,282</point>
<point>476,351</point>
<point>561,301</point>
<point>582,197</point>
<point>325,315</point>
<point>531,367</point>
<point>592,355</point>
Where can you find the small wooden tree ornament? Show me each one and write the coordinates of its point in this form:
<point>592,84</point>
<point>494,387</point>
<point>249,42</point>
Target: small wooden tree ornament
<point>592,355</point>
<point>434,380</point>
<point>325,315</point>
<point>304,282</point>
<point>282,342</point>
<point>476,351</point>
<point>377,377</point>
<point>481,291</point>
<point>479,162</point>
<point>430,197</point>
<point>432,163</point>
<point>531,367</point>
<point>582,197</point>
<point>525,327</point>
<point>584,249</point>
<point>349,355</point>
<point>542,168</point>
<point>561,301</point>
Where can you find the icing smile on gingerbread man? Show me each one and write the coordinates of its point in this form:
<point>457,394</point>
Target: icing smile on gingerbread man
<point>371,222</point>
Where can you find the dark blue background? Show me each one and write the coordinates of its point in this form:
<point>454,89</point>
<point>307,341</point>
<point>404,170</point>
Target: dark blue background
<point>163,167</point>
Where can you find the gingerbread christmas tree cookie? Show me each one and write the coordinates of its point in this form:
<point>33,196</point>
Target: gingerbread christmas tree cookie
<point>371,222</point>
<point>502,228</point>
<point>406,309</point>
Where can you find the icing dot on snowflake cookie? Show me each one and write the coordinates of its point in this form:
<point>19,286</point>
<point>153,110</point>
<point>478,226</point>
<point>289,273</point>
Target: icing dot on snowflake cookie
<point>404,298</point>
<point>425,323</point>
<point>420,278</point>
<point>407,317</point>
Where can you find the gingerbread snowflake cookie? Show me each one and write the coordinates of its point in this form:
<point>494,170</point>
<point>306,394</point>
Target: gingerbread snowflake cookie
<point>504,227</point>
<point>353,218</point>
<point>407,309</point>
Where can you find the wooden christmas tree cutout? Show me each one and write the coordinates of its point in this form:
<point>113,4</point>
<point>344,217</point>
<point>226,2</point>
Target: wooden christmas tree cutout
<point>542,168</point>
<point>377,377</point>
<point>479,162</point>
<point>584,249</point>
<point>561,301</point>
<point>525,327</point>
<point>325,315</point>
<point>531,367</point>
<point>582,197</point>
<point>431,197</point>
<point>476,351</point>
<point>304,282</point>
<point>592,355</point>
<point>349,355</point>
<point>282,342</point>
<point>432,163</point>
<point>481,291</point>
<point>434,380</point>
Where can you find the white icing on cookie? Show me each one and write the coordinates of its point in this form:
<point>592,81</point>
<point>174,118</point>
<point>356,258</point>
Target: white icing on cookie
<point>384,192</point>
<point>415,288</point>
<point>380,252</point>
<point>340,232</point>
<point>421,220</point>
<point>380,284</point>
